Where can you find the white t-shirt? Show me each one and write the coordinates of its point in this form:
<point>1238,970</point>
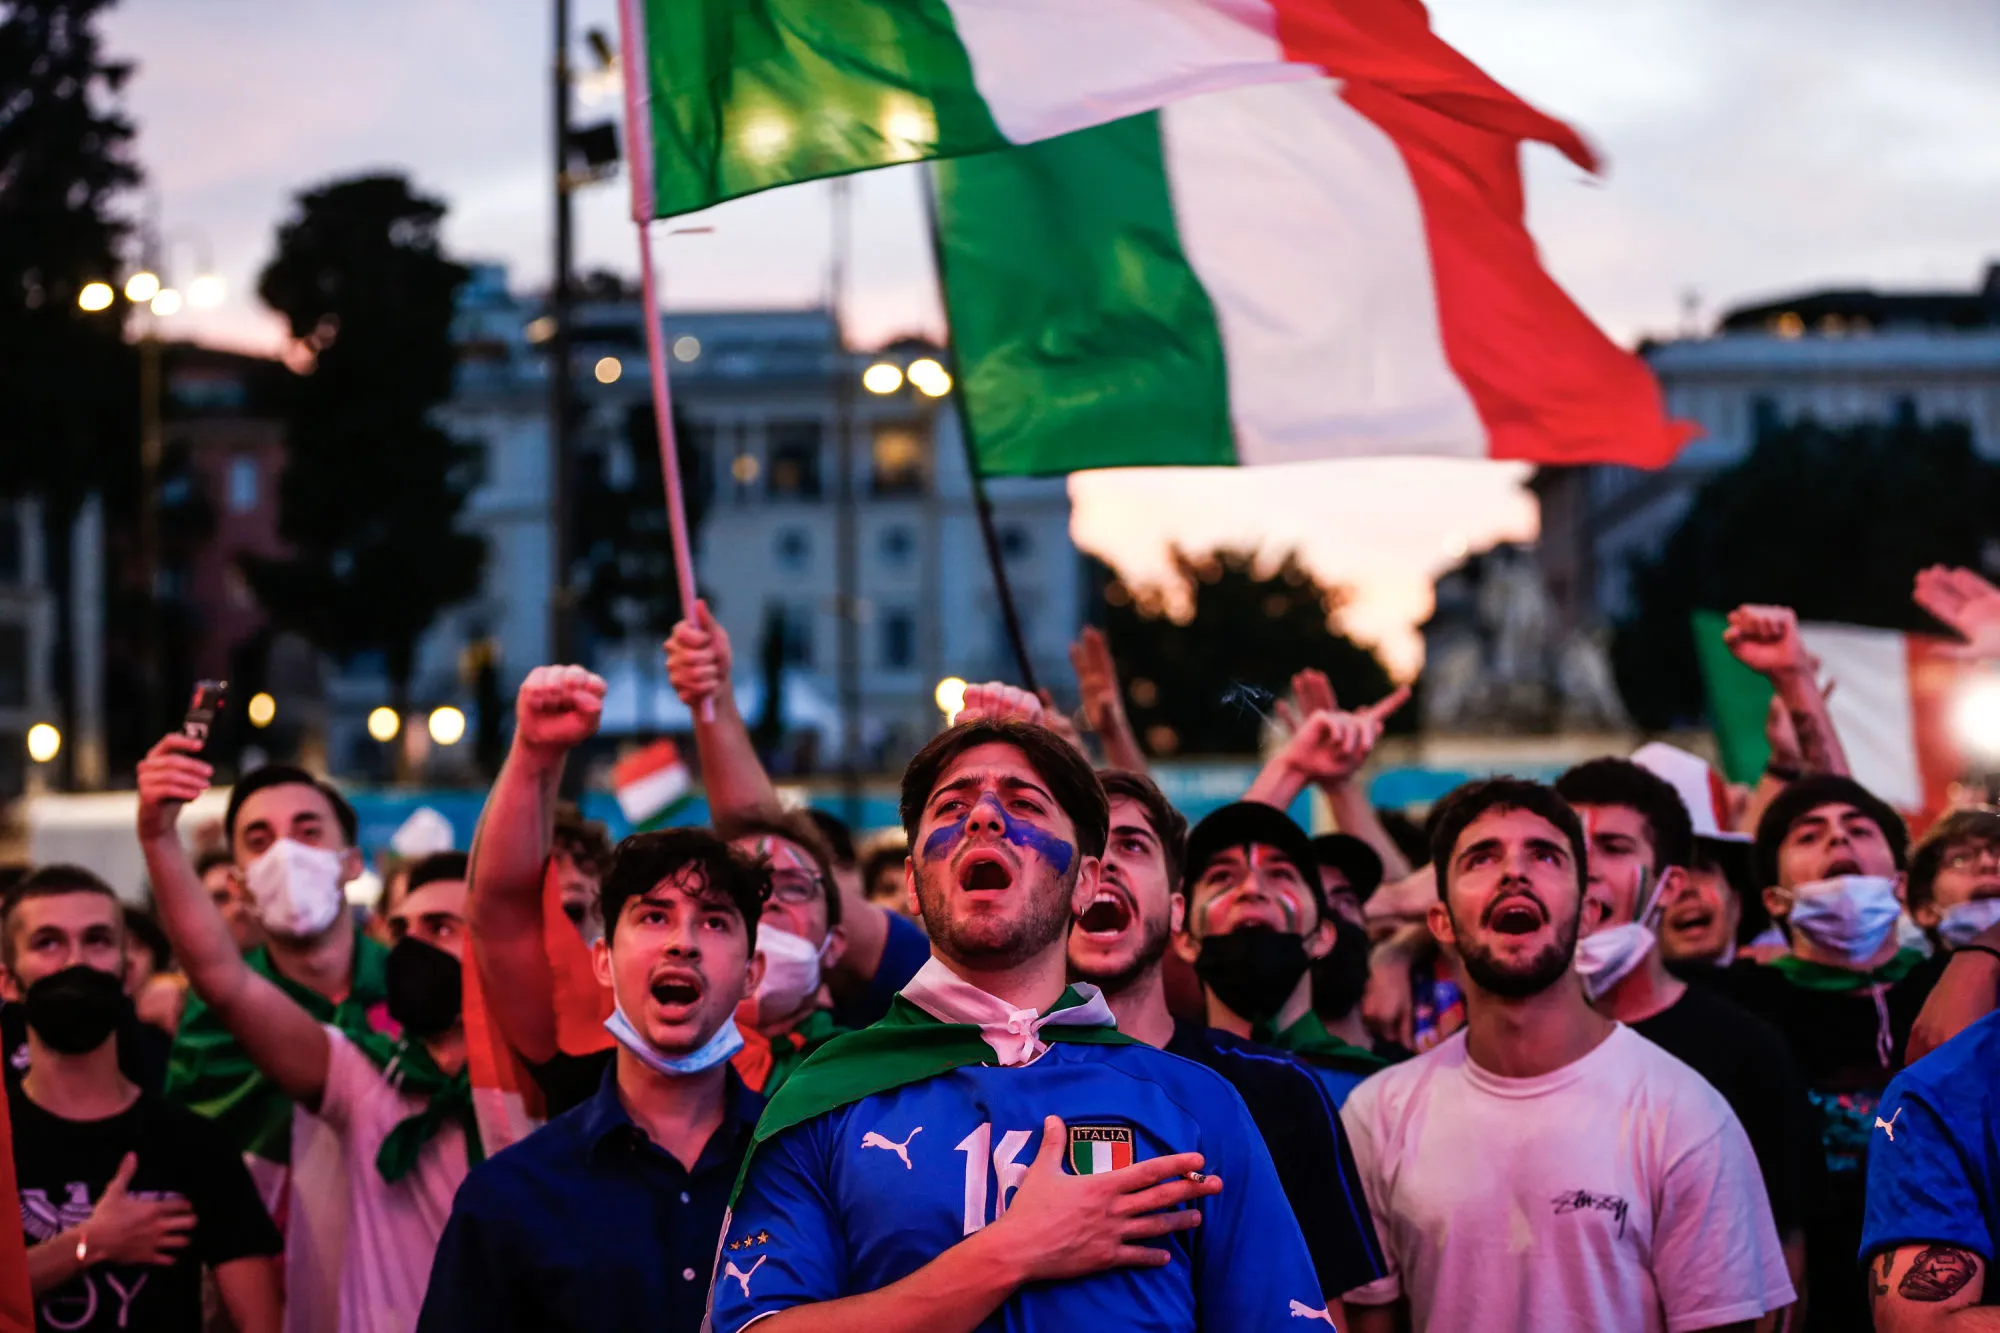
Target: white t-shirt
<point>392,1230</point>
<point>1618,1192</point>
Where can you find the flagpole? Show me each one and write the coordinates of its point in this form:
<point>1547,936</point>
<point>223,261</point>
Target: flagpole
<point>1003,590</point>
<point>639,164</point>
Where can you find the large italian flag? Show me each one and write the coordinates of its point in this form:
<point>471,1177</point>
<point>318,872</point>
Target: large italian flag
<point>1892,706</point>
<point>1288,229</point>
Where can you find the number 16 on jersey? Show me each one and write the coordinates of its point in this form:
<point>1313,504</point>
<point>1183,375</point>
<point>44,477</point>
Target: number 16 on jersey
<point>1008,1171</point>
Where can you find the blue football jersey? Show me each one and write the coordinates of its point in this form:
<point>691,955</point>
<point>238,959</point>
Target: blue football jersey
<point>867,1194</point>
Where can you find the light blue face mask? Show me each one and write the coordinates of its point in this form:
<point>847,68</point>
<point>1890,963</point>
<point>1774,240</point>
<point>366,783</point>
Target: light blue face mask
<point>727,1041</point>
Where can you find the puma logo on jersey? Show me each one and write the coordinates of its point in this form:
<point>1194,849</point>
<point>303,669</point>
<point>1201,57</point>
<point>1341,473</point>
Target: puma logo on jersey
<point>743,1278</point>
<point>873,1140</point>
<point>1889,1125</point>
<point>1300,1310</point>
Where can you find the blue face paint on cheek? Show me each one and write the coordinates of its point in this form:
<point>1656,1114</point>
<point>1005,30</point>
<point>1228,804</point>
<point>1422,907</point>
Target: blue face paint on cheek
<point>1058,853</point>
<point>943,840</point>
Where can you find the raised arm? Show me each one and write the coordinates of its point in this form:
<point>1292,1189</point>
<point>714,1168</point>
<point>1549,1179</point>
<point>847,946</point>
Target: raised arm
<point>699,662</point>
<point>1104,701</point>
<point>1766,639</point>
<point>279,1036</point>
<point>1327,748</point>
<point>1353,812</point>
<point>1967,603</point>
<point>557,709</point>
<point>1967,990</point>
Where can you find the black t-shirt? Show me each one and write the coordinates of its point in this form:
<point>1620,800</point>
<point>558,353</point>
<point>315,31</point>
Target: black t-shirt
<point>1748,1062</point>
<point>1849,1043</point>
<point>63,1167</point>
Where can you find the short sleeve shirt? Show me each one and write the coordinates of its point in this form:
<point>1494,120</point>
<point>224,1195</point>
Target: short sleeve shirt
<point>865,1195</point>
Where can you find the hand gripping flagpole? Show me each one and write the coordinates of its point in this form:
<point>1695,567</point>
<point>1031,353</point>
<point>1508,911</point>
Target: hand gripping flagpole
<point>639,166</point>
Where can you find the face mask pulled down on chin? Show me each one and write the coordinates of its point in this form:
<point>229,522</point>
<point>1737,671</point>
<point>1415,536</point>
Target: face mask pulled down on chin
<point>1608,956</point>
<point>1849,917</point>
<point>726,1042</point>
<point>298,891</point>
<point>1965,922</point>
<point>73,1011</point>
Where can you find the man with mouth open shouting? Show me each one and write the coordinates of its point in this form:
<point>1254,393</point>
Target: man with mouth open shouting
<point>1118,944</point>
<point>1547,1167</point>
<point>994,1153</point>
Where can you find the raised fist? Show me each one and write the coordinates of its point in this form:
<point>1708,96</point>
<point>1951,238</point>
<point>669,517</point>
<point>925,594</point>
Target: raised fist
<point>698,657</point>
<point>558,707</point>
<point>1766,639</point>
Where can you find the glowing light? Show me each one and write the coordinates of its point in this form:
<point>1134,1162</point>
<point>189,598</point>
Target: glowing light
<point>1789,325</point>
<point>932,380</point>
<point>950,698</point>
<point>205,292</point>
<point>95,296</point>
<point>44,742</point>
<point>1975,715</point>
<point>383,724</point>
<point>882,377</point>
<point>261,710</point>
<point>687,347</point>
<point>744,469</point>
<point>765,136</point>
<point>541,329</point>
<point>609,368</point>
<point>447,725</point>
<point>909,127</point>
<point>142,287</point>
<point>166,301</point>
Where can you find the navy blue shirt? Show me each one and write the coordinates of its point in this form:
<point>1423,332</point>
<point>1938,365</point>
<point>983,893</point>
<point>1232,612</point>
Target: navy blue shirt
<point>586,1224</point>
<point>1934,1173</point>
<point>1301,1126</point>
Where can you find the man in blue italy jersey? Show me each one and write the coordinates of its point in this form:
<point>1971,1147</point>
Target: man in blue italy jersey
<point>993,1154</point>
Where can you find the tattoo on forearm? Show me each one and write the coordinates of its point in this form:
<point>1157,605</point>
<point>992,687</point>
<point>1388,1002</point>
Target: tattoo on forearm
<point>1938,1273</point>
<point>1881,1283</point>
<point>1813,751</point>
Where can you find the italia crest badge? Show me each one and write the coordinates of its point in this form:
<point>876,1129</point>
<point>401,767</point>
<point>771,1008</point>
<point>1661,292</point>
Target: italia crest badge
<point>1094,1149</point>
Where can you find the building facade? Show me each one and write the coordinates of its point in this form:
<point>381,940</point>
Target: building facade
<point>1839,357</point>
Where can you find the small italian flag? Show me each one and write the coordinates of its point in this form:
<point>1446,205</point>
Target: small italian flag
<point>1289,229</point>
<point>1892,705</point>
<point>1098,1148</point>
<point>652,784</point>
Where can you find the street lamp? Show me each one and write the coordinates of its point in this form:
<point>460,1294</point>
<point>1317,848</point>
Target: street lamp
<point>930,378</point>
<point>447,725</point>
<point>95,296</point>
<point>884,377</point>
<point>165,302</point>
<point>262,710</point>
<point>383,724</point>
<point>44,742</point>
<point>950,698</point>
<point>142,287</point>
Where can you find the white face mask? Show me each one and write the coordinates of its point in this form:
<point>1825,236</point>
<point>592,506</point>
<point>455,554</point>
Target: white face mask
<point>791,970</point>
<point>1851,917</point>
<point>726,1041</point>
<point>1607,957</point>
<point>1961,924</point>
<point>298,890</point>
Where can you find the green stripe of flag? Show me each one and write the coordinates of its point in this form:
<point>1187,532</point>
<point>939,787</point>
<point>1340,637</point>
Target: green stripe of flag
<point>1738,700</point>
<point>1083,337</point>
<point>804,89</point>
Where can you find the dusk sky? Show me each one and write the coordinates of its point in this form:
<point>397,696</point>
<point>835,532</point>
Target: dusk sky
<point>1752,149</point>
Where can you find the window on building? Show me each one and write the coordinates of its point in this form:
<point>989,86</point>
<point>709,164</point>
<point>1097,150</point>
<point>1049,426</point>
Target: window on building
<point>242,484</point>
<point>795,629</point>
<point>899,639</point>
<point>898,457</point>
<point>13,666</point>
<point>794,459</point>
<point>1014,541</point>
<point>10,543</point>
<point>898,544</point>
<point>793,548</point>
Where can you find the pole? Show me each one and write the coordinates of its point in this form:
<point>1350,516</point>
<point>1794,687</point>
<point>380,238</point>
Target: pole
<point>847,562</point>
<point>1003,590</point>
<point>561,647</point>
<point>639,160</point>
<point>149,526</point>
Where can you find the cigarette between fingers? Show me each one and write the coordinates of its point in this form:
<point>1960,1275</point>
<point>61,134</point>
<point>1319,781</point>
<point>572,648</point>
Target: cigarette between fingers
<point>1194,1177</point>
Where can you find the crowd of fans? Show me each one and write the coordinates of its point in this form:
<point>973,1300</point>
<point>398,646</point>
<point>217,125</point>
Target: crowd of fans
<point>1634,1050</point>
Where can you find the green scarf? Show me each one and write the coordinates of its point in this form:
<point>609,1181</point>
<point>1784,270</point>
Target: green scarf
<point>787,1055</point>
<point>1309,1039</point>
<point>409,1068</point>
<point>907,1046</point>
<point>1821,977</point>
<point>209,1073</point>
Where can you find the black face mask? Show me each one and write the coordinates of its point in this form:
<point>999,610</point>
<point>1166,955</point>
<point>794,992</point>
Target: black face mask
<point>1253,971</point>
<point>425,988</point>
<point>1341,978</point>
<point>74,1010</point>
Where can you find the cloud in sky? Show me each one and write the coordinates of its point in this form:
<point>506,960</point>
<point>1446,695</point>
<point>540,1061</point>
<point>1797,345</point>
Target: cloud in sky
<point>1753,149</point>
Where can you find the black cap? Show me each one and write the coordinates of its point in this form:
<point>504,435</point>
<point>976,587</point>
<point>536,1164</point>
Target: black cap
<point>1248,824</point>
<point>1353,858</point>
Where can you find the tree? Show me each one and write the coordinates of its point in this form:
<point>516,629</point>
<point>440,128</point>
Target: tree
<point>1831,521</point>
<point>1203,684</point>
<point>624,553</point>
<point>68,381</point>
<point>373,488</point>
